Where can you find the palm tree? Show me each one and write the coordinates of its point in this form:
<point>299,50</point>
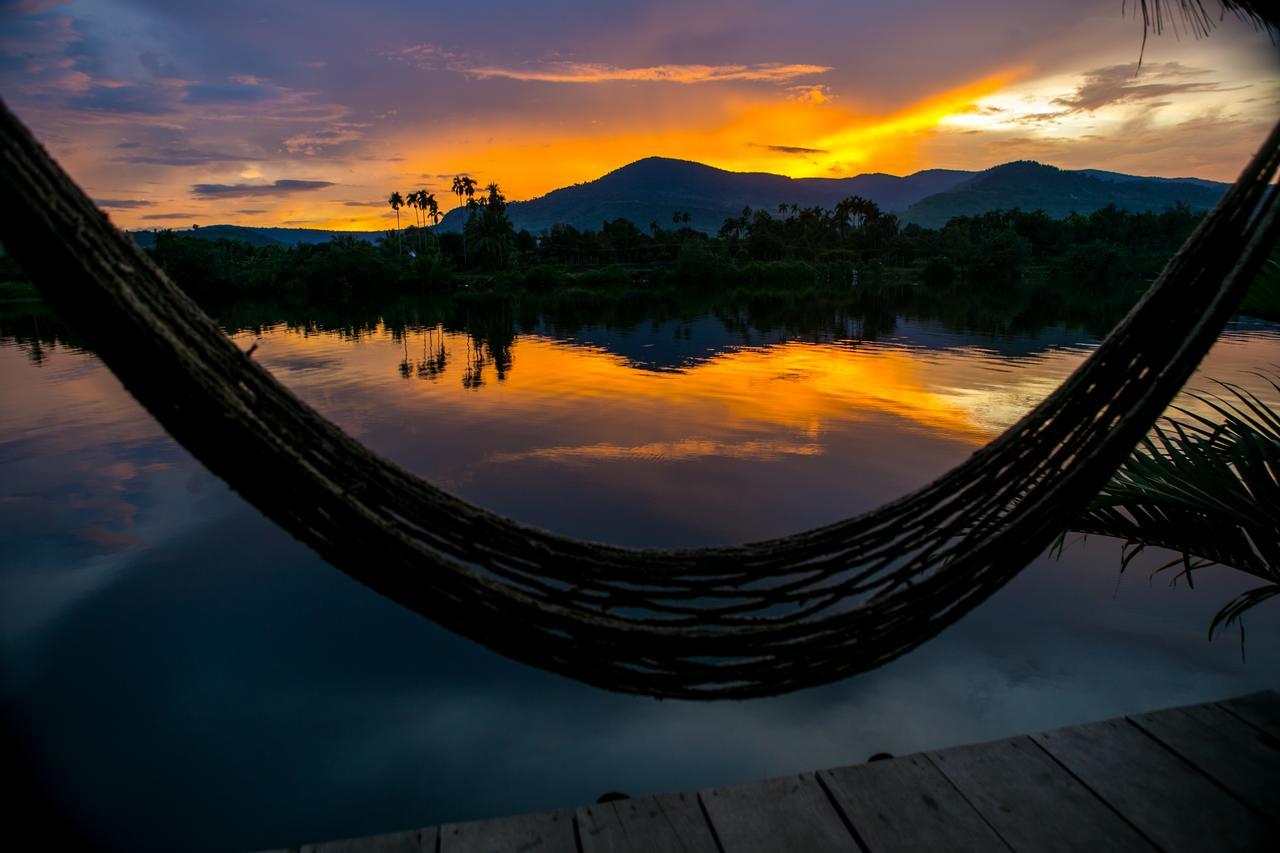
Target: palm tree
<point>432,208</point>
<point>419,201</point>
<point>397,201</point>
<point>465,185</point>
<point>1200,486</point>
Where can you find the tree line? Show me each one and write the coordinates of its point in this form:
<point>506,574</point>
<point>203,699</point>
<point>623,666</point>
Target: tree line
<point>854,240</point>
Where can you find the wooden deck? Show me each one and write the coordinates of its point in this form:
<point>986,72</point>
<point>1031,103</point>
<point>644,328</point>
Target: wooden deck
<point>1199,778</point>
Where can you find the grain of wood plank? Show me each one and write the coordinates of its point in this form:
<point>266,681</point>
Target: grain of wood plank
<point>907,805</point>
<point>1233,753</point>
<point>788,813</point>
<point>545,832</point>
<point>1260,710</point>
<point>1171,803</point>
<point>412,841</point>
<point>672,822</point>
<point>1031,802</point>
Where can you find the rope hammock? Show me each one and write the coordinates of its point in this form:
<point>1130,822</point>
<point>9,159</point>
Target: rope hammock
<point>749,620</point>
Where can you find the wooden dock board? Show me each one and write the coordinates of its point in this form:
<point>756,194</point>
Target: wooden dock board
<point>787,813</point>
<point>907,805</point>
<point>1228,750</point>
<point>1031,801</point>
<point>1260,710</point>
<point>411,841</point>
<point>1204,777</point>
<point>547,832</point>
<point>1177,807</point>
<point>666,822</point>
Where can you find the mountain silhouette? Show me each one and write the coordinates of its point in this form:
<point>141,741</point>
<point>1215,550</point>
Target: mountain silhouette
<point>652,189</point>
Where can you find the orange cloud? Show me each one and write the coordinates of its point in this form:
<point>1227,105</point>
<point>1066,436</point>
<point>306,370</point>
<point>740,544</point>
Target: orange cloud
<point>585,72</point>
<point>745,131</point>
<point>800,134</point>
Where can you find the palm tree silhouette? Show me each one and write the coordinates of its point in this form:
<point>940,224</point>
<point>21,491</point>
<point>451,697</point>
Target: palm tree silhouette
<point>432,208</point>
<point>397,201</point>
<point>465,185</point>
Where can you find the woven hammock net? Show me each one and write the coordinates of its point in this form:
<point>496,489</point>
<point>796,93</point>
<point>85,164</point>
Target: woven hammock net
<point>742,621</point>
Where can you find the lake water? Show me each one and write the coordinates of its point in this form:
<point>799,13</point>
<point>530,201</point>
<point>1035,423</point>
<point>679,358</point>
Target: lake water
<point>188,675</point>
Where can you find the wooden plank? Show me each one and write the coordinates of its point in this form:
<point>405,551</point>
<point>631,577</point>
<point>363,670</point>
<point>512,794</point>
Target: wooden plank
<point>412,841</point>
<point>546,832</point>
<point>1169,802</point>
<point>642,824</point>
<point>1233,753</point>
<point>788,813</point>
<point>1031,802</point>
<point>906,804</point>
<point>1260,710</point>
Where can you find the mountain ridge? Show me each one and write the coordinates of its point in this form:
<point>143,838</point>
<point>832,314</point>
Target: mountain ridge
<point>650,190</point>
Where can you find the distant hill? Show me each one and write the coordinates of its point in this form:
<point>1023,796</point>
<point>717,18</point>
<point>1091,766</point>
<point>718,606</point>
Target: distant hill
<point>652,189</point>
<point>261,236</point>
<point>1033,186</point>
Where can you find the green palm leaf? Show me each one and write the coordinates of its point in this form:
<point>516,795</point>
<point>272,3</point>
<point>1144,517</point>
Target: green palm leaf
<point>1207,487</point>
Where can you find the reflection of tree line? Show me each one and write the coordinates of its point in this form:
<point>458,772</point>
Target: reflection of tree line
<point>490,322</point>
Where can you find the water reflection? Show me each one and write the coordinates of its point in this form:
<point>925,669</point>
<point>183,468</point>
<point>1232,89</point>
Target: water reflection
<point>177,659</point>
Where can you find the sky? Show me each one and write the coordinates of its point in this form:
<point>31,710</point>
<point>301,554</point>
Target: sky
<point>308,113</point>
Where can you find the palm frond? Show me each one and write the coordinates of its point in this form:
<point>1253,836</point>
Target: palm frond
<point>1206,486</point>
<point>1192,17</point>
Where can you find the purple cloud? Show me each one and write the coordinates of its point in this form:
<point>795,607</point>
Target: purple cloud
<point>123,203</point>
<point>281,187</point>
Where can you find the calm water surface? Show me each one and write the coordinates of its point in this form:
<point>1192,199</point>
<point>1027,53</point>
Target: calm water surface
<point>187,673</point>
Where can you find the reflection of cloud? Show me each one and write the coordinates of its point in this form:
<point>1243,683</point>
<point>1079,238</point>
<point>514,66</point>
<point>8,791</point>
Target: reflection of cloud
<point>666,451</point>
<point>278,188</point>
<point>107,540</point>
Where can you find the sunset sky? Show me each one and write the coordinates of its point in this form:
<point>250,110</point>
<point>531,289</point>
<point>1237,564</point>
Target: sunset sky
<point>308,114</point>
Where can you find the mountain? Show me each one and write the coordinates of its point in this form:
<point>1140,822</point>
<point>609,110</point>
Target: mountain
<point>1059,192</point>
<point>652,189</point>
<point>261,236</point>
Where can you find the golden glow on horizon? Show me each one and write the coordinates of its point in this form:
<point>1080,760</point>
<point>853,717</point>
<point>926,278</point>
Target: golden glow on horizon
<point>801,133</point>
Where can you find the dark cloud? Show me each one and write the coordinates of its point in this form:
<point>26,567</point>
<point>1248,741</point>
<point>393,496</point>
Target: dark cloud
<point>253,211</point>
<point>158,67</point>
<point>133,98</point>
<point>280,187</point>
<point>1129,84</point>
<point>229,93</point>
<point>363,203</point>
<point>157,216</point>
<point>170,156</point>
<point>789,149</point>
<point>123,203</point>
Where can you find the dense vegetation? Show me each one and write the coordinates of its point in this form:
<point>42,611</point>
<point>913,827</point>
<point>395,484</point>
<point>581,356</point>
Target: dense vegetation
<point>792,245</point>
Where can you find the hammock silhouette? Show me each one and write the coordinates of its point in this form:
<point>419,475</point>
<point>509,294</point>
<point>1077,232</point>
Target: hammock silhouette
<point>730,622</point>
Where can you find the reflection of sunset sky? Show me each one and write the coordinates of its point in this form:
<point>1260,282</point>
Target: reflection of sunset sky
<point>216,649</point>
<point>308,114</point>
